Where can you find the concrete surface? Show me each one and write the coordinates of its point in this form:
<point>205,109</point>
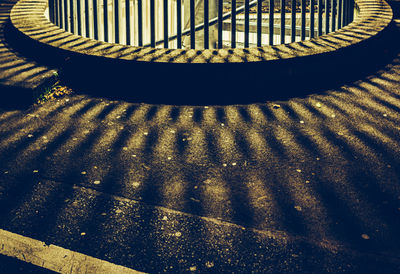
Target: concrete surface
<point>20,76</point>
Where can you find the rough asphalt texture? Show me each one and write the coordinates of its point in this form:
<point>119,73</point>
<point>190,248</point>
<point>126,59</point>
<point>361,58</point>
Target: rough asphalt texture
<point>304,185</point>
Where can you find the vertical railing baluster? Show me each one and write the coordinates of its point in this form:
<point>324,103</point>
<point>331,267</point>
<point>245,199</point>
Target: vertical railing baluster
<point>60,14</point>
<point>303,20</point>
<point>179,23</point>
<point>283,21</point>
<point>312,18</point>
<point>326,16</point>
<point>206,28</point>
<point>79,16</point>
<point>246,23</point>
<point>152,24</point>
<point>66,15</point>
<point>340,14</point>
<point>128,21</point>
<point>71,16</point>
<point>56,22</point>
<point>105,18</point>
<point>116,21</point>
<point>271,23</point>
<point>165,7</point>
<point>293,17</point>
<point>55,12</point>
<point>51,10</point>
<point>56,2</point>
<point>87,27</point>
<point>220,22</point>
<point>333,18</point>
<point>259,22</point>
<point>95,21</point>
<point>140,23</point>
<point>344,12</point>
<point>351,11</point>
<point>233,24</point>
<point>319,17</point>
<point>192,25</point>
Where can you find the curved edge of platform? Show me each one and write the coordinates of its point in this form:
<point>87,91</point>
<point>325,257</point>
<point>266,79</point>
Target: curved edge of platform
<point>27,16</point>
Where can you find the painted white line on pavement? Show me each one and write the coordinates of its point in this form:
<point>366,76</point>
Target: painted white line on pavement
<point>53,257</point>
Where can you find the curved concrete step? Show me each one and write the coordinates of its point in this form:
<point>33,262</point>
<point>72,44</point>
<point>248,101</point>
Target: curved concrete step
<point>19,75</point>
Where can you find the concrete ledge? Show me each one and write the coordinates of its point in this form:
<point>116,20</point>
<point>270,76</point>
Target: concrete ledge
<point>169,75</point>
<point>28,17</point>
<point>19,76</point>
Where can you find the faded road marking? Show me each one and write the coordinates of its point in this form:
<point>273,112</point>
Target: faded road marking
<point>53,257</point>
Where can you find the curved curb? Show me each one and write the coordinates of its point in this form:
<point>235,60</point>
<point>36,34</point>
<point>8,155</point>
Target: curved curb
<point>198,77</point>
<point>20,76</point>
<point>28,17</point>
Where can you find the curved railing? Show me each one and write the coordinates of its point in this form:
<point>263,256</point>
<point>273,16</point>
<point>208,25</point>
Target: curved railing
<point>202,23</point>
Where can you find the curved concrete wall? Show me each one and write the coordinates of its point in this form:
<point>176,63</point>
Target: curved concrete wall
<point>28,17</point>
<point>257,74</point>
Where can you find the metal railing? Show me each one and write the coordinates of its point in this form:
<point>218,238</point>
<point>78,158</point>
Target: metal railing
<point>201,24</point>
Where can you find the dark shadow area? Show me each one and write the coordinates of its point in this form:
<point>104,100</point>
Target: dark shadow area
<point>15,98</point>
<point>14,266</point>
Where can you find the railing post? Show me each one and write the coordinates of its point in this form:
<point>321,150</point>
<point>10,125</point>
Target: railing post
<point>312,18</point>
<point>87,22</point>
<point>351,15</point>
<point>283,23</point>
<point>220,22</point>
<point>319,17</point>
<point>246,23</point>
<point>333,23</point>
<point>60,12</point>
<point>56,13</point>
<point>233,23</point>
<point>66,15</point>
<point>71,15</point>
<point>95,21</point>
<point>192,25</point>
<point>206,28</point>
<point>51,10</point>
<point>140,23</point>
<point>340,11</point>
<point>105,20</point>
<point>165,19</point>
<point>271,22</point>
<point>152,24</point>
<point>128,21</point>
<point>293,17</point>
<point>259,22</point>
<point>303,20</point>
<point>179,23</point>
<point>326,16</point>
<point>79,16</point>
<point>116,21</point>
